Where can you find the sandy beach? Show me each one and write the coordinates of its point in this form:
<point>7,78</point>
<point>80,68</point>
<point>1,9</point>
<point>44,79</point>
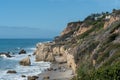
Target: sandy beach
<point>55,72</point>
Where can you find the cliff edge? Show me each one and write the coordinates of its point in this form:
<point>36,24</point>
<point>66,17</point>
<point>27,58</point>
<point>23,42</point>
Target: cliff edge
<point>88,47</point>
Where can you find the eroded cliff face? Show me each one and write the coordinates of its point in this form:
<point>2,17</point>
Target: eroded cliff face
<point>88,44</point>
<point>71,27</point>
<point>83,28</point>
<point>44,52</point>
<point>110,21</point>
<point>54,53</point>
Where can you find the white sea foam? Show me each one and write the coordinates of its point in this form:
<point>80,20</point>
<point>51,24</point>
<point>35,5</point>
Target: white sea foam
<point>34,69</point>
<point>31,48</point>
<point>3,55</point>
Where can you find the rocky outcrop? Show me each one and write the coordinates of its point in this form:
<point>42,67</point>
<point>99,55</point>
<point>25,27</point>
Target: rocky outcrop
<point>25,62</point>
<point>49,52</point>
<point>69,31</point>
<point>44,52</point>
<point>110,21</point>
<point>71,27</point>
<point>83,28</point>
<point>2,54</point>
<point>71,62</point>
<point>54,52</point>
<point>22,51</point>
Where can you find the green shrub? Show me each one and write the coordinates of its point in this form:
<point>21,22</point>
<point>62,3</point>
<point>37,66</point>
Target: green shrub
<point>105,50</point>
<point>111,37</point>
<point>103,73</point>
<point>113,58</point>
<point>107,73</point>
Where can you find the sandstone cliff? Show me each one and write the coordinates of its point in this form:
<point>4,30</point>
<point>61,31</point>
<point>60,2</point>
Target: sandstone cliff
<point>54,52</point>
<point>85,46</point>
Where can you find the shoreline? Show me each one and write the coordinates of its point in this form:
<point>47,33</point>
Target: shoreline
<point>22,72</point>
<point>55,72</point>
<point>59,69</point>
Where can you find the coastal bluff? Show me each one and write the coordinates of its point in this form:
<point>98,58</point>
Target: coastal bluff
<point>87,47</point>
<point>53,52</point>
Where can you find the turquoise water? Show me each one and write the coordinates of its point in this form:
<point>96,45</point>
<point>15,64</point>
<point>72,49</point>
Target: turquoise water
<point>14,46</point>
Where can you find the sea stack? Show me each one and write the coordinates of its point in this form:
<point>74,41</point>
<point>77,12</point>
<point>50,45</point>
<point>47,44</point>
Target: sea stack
<point>25,62</point>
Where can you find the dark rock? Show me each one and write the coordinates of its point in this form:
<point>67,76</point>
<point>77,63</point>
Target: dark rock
<point>32,77</point>
<point>55,69</point>
<point>22,51</point>
<point>8,55</point>
<point>50,69</point>
<point>12,72</point>
<point>34,53</point>
<point>29,55</point>
<point>46,77</point>
<point>23,76</point>
<point>5,54</point>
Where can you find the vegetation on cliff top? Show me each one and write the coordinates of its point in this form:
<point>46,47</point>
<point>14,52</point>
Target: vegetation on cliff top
<point>97,48</point>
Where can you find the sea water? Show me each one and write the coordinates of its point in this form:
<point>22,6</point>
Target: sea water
<point>14,46</point>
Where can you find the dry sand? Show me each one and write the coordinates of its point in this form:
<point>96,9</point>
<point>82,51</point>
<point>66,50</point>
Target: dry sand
<point>57,72</point>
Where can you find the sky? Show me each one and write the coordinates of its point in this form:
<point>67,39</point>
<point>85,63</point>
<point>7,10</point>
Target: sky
<point>46,18</point>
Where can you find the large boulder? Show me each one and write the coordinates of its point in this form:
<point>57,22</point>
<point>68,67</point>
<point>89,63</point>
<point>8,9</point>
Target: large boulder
<point>12,72</point>
<point>44,52</point>
<point>25,62</point>
<point>22,51</point>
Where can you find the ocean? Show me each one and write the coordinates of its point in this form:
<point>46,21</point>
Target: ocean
<point>14,46</point>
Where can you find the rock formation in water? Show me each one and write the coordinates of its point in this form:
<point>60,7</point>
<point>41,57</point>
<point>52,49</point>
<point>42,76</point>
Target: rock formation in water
<point>25,62</point>
<point>4,54</point>
<point>22,51</point>
<point>11,72</point>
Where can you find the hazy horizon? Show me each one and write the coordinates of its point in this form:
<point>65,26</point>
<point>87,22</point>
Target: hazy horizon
<point>46,18</point>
